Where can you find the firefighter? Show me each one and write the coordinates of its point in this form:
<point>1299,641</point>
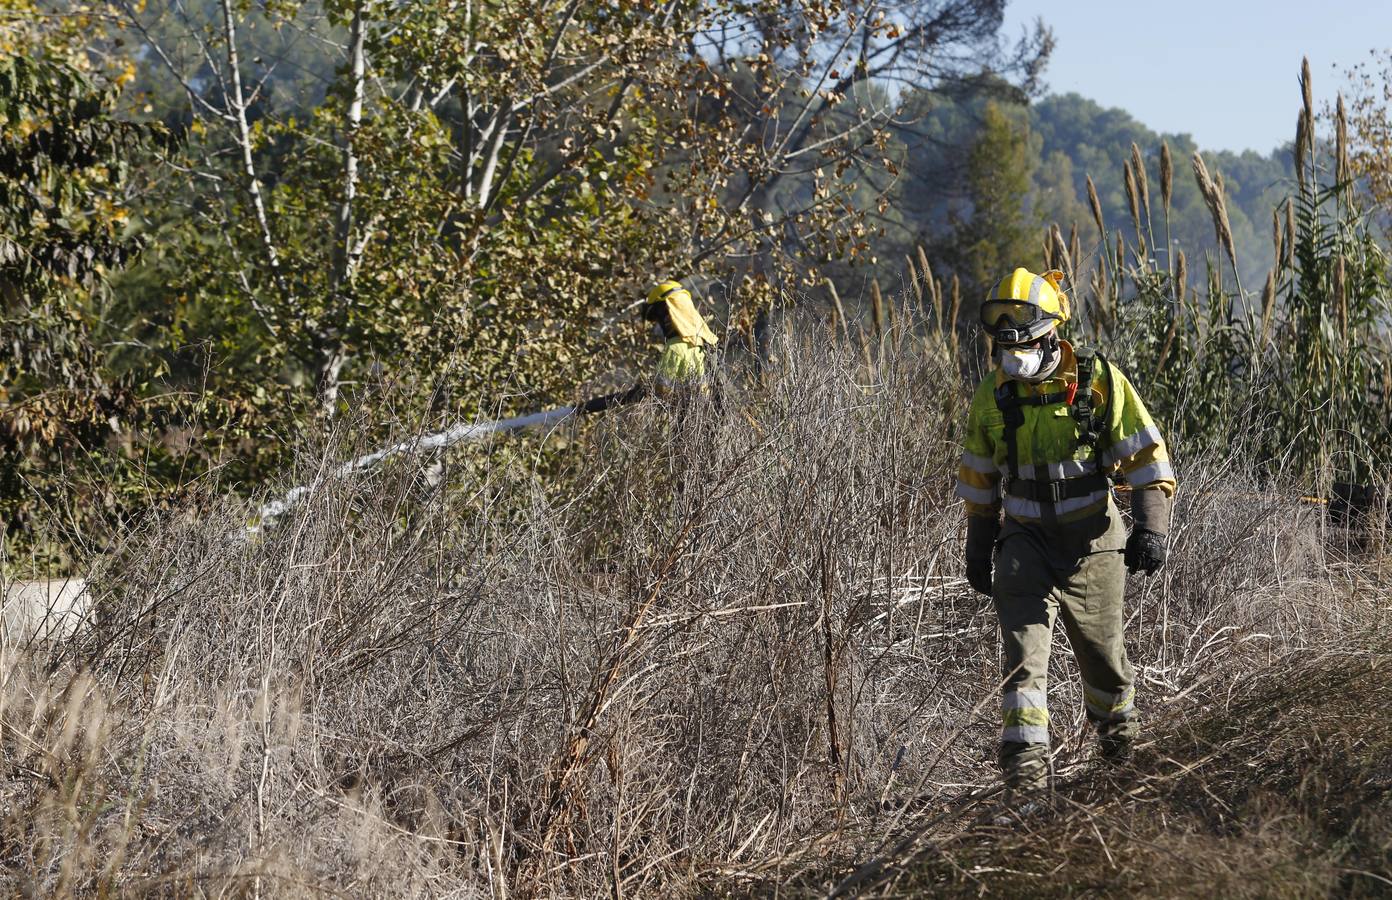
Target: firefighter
<point>1046,431</point>
<point>685,335</point>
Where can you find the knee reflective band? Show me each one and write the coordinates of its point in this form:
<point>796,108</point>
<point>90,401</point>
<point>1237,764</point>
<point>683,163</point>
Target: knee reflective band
<point>1103,706</point>
<point>1025,717</point>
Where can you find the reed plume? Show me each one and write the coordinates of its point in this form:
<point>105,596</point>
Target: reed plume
<point>1290,234</point>
<point>1061,250</point>
<point>877,309</point>
<point>1268,304</point>
<point>1305,125</point>
<point>1298,151</point>
<point>1217,207</point>
<point>1307,91</point>
<point>1096,205</point>
<point>1341,159</point>
<point>1100,291</point>
<point>1132,195</point>
<point>1142,180</point>
<point>927,271</point>
<point>1166,176</point>
<point>1181,277</point>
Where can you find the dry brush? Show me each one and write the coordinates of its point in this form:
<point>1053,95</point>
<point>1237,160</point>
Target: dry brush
<point>729,647</point>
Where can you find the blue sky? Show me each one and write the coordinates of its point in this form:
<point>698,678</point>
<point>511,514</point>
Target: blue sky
<point>1225,71</point>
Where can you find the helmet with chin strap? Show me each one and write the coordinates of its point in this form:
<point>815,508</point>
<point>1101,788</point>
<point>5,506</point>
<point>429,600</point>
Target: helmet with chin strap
<point>1024,307</point>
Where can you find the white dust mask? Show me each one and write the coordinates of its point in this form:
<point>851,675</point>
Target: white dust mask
<point>1023,364</point>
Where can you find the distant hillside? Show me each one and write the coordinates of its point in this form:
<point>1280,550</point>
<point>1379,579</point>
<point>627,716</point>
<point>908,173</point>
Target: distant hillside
<point>1069,138</point>
<point>1096,141</point>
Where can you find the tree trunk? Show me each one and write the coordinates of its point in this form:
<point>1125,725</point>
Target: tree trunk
<point>345,265</point>
<point>347,253</point>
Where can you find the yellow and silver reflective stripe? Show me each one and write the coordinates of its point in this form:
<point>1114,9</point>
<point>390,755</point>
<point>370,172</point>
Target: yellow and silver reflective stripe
<point>984,465</point>
<point>984,496</point>
<point>1110,707</point>
<point>1156,471</point>
<point>1036,288</point>
<point>1025,717</point>
<point>1132,444</point>
<point>1072,468</point>
<point>1030,509</point>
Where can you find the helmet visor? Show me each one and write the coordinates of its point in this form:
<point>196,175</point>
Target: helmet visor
<point>998,313</point>
<point>1015,321</point>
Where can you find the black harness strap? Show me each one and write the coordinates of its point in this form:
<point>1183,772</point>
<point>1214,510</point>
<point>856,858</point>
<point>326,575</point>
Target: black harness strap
<point>1090,428</point>
<point>1054,491</point>
<point>1012,412</point>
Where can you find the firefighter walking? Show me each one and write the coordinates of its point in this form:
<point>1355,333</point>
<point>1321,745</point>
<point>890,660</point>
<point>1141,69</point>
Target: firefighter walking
<point>1045,432</point>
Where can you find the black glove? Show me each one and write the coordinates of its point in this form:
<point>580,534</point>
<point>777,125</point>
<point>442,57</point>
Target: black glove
<point>1150,512</point>
<point>1145,550</point>
<point>981,544</point>
<point>979,575</point>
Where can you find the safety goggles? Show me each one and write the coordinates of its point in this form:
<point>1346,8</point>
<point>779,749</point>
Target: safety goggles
<point>1014,321</point>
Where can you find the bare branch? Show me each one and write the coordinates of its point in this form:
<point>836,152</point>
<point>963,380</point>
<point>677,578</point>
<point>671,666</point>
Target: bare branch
<point>238,109</point>
<point>345,262</point>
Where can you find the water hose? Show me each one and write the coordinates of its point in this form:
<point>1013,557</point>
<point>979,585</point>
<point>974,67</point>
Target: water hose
<point>439,440</point>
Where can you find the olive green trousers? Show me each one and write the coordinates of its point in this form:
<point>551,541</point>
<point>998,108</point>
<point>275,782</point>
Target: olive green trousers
<point>1075,572</point>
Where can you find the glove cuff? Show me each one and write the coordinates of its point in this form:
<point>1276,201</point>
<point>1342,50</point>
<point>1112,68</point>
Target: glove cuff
<point>981,537</point>
<point>1150,510</point>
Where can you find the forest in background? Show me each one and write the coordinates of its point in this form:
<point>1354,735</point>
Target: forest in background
<point>1063,140</point>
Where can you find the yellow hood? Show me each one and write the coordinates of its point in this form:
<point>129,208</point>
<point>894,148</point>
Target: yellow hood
<point>688,322</point>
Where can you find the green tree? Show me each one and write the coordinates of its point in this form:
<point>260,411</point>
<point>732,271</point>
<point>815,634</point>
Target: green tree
<point>477,196</point>
<point>1072,139</point>
<point>995,233</point>
<point>64,227</point>
<point>462,199</point>
<point>1055,197</point>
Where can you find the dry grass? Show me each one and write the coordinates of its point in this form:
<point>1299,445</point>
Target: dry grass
<point>1283,789</point>
<point>732,650</point>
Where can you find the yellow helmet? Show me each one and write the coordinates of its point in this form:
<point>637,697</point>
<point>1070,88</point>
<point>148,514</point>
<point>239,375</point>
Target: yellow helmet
<point>1024,306</point>
<point>682,310</point>
<point>662,290</point>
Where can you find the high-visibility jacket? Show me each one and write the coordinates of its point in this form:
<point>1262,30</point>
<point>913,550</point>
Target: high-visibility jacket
<point>680,364</point>
<point>1049,450</point>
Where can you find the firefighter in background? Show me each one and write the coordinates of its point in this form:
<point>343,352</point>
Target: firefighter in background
<point>1046,430</point>
<point>685,335</point>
